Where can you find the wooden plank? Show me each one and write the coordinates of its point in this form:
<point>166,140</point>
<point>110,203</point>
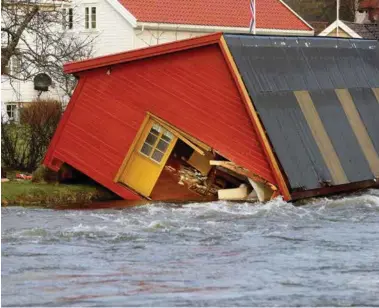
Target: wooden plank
<point>255,121</point>
<point>181,137</point>
<point>321,137</point>
<point>376,93</point>
<point>141,53</point>
<point>242,171</point>
<point>359,129</point>
<point>196,141</point>
<point>61,126</point>
<point>201,162</point>
<point>131,148</point>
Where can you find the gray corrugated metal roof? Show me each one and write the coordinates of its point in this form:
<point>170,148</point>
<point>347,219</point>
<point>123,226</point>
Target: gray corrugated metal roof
<point>275,68</point>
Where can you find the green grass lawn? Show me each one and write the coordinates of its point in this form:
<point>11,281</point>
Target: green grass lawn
<point>35,194</point>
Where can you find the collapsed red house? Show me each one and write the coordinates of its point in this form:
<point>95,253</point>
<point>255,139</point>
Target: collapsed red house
<point>226,116</point>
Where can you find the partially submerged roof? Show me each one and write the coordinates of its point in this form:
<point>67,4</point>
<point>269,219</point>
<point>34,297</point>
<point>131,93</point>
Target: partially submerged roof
<point>271,14</point>
<point>318,99</point>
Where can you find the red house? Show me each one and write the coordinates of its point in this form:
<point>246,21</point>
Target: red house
<point>225,116</point>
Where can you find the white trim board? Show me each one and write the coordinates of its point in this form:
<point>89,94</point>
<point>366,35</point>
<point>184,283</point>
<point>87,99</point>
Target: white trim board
<point>210,29</point>
<point>342,26</point>
<point>119,8</point>
<point>296,14</point>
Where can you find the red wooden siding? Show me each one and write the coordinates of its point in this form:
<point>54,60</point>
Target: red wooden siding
<point>193,90</point>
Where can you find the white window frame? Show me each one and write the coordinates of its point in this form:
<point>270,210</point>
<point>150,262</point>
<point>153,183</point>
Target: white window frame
<point>13,116</point>
<point>90,17</point>
<point>14,66</point>
<point>68,18</point>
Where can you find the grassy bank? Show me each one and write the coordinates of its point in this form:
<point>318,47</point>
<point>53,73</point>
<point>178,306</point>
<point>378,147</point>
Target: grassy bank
<point>27,193</point>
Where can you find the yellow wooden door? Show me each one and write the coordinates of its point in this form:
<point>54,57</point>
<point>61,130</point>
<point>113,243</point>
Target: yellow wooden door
<point>148,158</point>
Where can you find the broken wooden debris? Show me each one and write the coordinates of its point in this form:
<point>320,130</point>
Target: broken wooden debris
<point>242,171</point>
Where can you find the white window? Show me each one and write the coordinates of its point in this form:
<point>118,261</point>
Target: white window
<point>14,66</point>
<point>90,17</point>
<point>68,18</point>
<point>11,112</point>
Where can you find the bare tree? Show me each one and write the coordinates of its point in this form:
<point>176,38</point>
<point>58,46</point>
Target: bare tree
<point>36,33</point>
<point>324,10</point>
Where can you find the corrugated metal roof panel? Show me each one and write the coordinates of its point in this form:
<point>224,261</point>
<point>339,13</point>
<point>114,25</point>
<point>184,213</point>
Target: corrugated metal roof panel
<point>292,82</point>
<point>298,63</point>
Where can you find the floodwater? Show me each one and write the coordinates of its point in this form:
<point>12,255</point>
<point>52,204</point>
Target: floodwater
<point>324,253</point>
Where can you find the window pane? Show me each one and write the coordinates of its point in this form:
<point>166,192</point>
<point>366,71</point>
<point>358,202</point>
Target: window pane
<point>70,18</point>
<point>167,136</point>
<point>11,109</point>
<point>157,156</point>
<point>64,19</point>
<point>146,149</point>
<point>93,17</point>
<point>16,65</point>
<point>156,129</point>
<point>87,18</point>
<point>162,145</point>
<point>151,139</point>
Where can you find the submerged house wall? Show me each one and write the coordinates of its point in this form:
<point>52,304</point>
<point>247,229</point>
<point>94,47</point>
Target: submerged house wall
<point>192,90</point>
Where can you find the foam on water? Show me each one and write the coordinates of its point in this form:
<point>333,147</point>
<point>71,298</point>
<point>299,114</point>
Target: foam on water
<point>215,253</point>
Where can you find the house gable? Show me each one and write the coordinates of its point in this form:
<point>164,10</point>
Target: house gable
<point>331,30</point>
<point>123,12</point>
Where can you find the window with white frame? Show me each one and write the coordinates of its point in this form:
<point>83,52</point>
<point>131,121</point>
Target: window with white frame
<point>14,66</point>
<point>68,18</point>
<point>12,112</point>
<point>90,17</point>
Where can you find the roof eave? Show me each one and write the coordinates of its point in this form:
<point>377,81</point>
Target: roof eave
<point>215,28</point>
<point>147,52</point>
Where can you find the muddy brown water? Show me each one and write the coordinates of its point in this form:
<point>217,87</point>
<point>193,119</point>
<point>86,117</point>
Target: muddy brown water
<point>324,253</point>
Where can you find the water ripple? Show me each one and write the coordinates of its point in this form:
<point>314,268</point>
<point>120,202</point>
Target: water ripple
<point>321,253</point>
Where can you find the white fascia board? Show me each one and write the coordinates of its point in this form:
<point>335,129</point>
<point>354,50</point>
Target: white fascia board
<point>186,27</point>
<point>296,14</point>
<point>119,8</point>
<point>341,25</point>
<point>329,29</point>
<point>210,29</point>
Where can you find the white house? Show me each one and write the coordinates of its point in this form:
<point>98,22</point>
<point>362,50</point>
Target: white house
<point>119,25</point>
<point>129,24</point>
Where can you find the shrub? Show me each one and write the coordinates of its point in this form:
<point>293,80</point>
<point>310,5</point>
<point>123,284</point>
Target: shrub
<point>23,145</point>
<point>43,174</point>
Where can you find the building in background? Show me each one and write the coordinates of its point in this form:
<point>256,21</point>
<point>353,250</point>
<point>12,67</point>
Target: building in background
<point>366,23</point>
<point>348,29</point>
<point>123,25</point>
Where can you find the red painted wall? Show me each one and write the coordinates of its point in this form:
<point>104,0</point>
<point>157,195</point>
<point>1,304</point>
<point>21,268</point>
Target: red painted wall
<point>193,90</point>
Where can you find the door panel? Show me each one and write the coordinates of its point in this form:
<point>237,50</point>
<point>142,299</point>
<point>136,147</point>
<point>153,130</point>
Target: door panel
<point>148,158</point>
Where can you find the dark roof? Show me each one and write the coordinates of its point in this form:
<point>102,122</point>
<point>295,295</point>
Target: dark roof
<point>293,84</point>
<point>366,31</point>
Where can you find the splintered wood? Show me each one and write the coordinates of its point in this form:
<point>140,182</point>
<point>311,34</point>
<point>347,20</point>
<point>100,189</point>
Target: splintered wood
<point>242,171</point>
<point>196,181</point>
